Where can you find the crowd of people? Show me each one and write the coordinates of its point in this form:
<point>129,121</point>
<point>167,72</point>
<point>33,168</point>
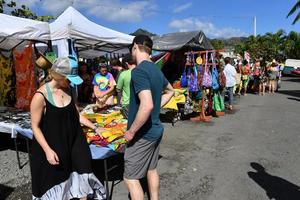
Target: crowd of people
<point>61,159</point>
<point>244,77</point>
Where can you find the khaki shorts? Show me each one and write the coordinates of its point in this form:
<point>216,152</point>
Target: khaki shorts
<point>140,157</point>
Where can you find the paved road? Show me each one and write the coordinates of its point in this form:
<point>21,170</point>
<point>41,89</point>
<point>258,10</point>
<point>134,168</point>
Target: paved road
<point>252,154</point>
<point>220,160</point>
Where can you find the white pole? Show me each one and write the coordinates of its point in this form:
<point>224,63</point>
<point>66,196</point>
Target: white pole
<point>254,26</point>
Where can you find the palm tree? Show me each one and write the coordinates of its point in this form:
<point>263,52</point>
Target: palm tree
<point>293,10</point>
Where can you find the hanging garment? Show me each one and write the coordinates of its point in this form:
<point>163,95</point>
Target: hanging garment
<point>7,95</point>
<point>25,78</point>
<point>207,79</point>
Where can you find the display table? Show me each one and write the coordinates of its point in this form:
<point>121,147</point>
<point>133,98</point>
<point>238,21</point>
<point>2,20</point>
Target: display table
<point>97,152</point>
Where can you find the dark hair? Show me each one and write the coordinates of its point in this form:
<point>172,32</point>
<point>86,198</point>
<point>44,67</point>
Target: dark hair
<point>227,60</point>
<point>144,43</point>
<point>115,62</point>
<point>102,66</point>
<point>127,59</point>
<point>245,62</point>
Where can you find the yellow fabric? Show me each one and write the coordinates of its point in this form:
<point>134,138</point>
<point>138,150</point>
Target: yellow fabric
<point>172,104</point>
<point>178,97</point>
<point>6,72</point>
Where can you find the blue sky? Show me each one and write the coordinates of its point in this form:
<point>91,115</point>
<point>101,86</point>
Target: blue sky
<point>216,18</point>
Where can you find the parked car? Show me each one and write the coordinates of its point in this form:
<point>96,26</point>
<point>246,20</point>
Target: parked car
<point>290,65</point>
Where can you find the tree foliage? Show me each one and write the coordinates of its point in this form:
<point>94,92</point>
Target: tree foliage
<point>21,11</point>
<point>217,44</point>
<point>293,10</point>
<point>270,46</point>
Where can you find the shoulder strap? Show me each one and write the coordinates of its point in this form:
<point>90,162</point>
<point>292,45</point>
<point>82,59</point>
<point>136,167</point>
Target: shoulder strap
<point>41,93</point>
<point>49,94</point>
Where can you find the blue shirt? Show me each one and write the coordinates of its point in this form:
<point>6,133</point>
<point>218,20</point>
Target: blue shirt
<point>147,76</point>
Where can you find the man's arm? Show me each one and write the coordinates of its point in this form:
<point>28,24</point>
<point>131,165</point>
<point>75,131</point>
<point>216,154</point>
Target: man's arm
<point>168,93</point>
<point>144,111</point>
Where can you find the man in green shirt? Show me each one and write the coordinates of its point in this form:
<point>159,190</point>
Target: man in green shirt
<point>123,85</point>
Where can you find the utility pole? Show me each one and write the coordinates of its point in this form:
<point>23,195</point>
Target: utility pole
<point>254,26</point>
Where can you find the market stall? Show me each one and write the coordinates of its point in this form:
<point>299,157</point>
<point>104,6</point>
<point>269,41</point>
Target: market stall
<point>178,44</point>
<point>16,30</point>
<point>86,34</point>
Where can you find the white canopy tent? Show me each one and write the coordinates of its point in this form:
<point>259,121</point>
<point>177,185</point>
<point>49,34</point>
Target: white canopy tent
<point>88,35</point>
<point>15,30</point>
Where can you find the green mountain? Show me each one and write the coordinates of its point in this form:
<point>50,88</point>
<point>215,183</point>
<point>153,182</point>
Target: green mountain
<point>142,32</point>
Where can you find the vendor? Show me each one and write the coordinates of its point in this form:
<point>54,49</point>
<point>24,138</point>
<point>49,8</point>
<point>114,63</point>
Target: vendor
<point>123,86</point>
<point>85,89</point>
<point>104,85</point>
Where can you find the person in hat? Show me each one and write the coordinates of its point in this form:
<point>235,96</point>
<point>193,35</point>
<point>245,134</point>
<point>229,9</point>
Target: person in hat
<point>104,85</point>
<point>60,158</point>
<point>149,91</point>
<point>123,84</point>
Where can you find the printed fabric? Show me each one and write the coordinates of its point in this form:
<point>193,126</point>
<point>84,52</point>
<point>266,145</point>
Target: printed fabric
<point>7,95</point>
<point>25,79</point>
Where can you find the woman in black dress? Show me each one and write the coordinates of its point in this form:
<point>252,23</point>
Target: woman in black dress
<point>61,159</point>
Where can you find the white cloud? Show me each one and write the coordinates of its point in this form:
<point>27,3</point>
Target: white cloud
<point>56,7</point>
<point>208,28</point>
<point>110,10</point>
<point>118,11</point>
<point>183,7</point>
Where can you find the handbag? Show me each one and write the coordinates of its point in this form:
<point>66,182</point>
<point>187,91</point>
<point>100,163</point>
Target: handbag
<point>193,78</point>
<point>207,79</point>
<point>215,84</point>
<point>218,102</point>
<point>183,80</point>
<point>193,81</point>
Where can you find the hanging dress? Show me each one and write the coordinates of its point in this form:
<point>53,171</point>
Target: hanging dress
<point>73,177</point>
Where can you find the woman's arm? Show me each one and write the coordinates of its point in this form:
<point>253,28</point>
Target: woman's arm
<point>111,88</point>
<point>36,111</point>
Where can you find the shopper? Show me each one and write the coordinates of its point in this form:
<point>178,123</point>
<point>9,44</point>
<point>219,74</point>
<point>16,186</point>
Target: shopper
<point>149,91</point>
<point>230,74</point>
<point>60,158</point>
<point>246,70</point>
<point>273,74</point>
<point>123,85</point>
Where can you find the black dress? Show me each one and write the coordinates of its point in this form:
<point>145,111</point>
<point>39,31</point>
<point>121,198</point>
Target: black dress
<point>73,177</point>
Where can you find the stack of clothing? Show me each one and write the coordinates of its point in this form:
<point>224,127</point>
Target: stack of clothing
<point>115,126</point>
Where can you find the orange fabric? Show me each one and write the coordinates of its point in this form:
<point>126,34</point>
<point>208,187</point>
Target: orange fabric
<point>25,79</point>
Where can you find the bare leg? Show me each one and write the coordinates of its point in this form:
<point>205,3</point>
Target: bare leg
<point>259,89</point>
<point>263,89</point>
<point>153,184</point>
<point>135,189</point>
<point>83,198</point>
